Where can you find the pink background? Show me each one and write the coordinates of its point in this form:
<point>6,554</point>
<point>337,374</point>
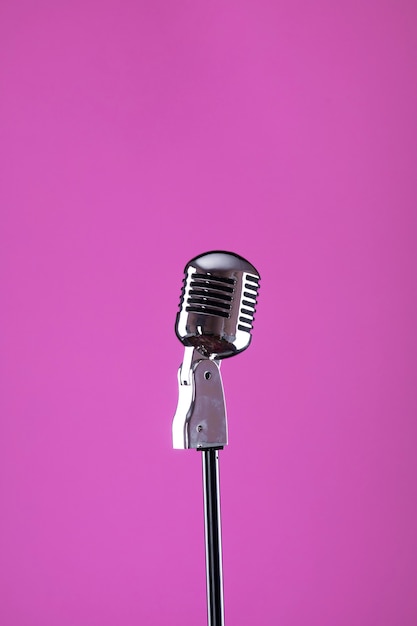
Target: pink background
<point>135,135</point>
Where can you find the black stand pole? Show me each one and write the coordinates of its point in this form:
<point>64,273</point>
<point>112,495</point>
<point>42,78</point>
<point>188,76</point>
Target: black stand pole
<point>214,567</point>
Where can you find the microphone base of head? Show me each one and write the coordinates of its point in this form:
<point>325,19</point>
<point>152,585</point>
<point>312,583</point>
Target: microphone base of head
<point>210,346</point>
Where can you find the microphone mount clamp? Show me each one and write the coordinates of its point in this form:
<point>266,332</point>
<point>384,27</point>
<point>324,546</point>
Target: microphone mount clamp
<point>200,420</point>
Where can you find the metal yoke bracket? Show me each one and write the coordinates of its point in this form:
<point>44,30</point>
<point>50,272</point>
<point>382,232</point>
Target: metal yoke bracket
<point>200,420</point>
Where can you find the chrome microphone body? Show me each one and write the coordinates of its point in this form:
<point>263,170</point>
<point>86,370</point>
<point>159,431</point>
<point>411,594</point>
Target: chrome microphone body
<point>217,304</point>
<point>214,322</point>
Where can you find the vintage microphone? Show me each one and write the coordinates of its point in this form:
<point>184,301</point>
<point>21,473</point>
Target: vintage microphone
<point>214,322</point>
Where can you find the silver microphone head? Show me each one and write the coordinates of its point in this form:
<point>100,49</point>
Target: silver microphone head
<point>217,304</point>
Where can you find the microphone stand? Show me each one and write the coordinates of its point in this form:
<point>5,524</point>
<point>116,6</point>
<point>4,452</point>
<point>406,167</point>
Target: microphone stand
<point>213,536</point>
<point>200,423</point>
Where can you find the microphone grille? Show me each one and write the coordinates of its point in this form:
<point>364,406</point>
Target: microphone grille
<point>248,303</point>
<point>217,303</point>
<point>208,293</point>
